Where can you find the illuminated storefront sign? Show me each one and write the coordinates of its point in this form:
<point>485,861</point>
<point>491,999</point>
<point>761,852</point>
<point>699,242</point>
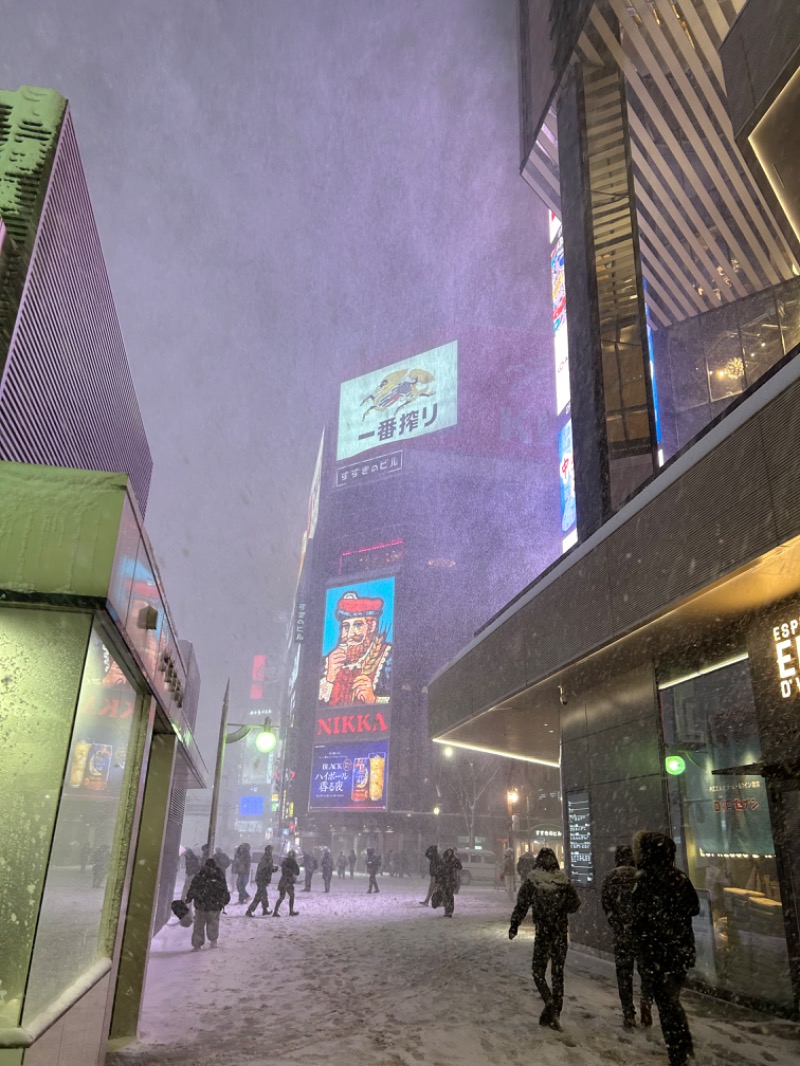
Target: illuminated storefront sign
<point>357,646</point>
<point>350,776</point>
<point>400,402</point>
<point>353,723</point>
<point>786,643</point>
<point>358,473</point>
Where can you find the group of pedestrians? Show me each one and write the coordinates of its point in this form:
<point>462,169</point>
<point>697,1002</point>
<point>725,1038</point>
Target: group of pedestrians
<point>649,904</point>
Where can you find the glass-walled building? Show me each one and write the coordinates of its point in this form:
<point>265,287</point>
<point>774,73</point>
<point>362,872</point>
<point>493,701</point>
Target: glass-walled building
<point>95,736</point>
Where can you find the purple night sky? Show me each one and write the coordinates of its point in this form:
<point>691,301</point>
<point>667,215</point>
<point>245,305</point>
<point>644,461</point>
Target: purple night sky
<point>282,189</point>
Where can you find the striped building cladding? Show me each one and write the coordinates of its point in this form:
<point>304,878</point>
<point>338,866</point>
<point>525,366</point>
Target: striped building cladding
<point>66,393</point>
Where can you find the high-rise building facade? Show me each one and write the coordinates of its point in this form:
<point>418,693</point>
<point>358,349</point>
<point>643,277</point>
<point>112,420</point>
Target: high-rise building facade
<point>66,392</point>
<point>664,642</point>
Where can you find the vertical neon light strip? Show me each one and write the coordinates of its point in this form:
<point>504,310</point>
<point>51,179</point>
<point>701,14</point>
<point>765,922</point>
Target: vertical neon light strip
<point>653,385</point>
<point>566,460</point>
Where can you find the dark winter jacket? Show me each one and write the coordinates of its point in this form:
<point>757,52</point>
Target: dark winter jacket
<point>221,859</point>
<point>208,890</point>
<point>447,871</point>
<point>525,864</point>
<point>616,895</point>
<point>265,868</point>
<point>289,871</point>
<point>551,898</point>
<point>192,862</point>
<point>327,864</point>
<point>663,902</point>
<point>374,863</point>
<point>432,855</point>
<point>241,860</point>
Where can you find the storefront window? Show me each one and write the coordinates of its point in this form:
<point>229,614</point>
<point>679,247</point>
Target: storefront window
<point>721,818</point>
<point>90,844</point>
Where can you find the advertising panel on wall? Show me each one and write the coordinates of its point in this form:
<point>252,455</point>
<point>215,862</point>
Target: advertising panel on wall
<point>350,776</point>
<point>400,402</point>
<point>357,645</point>
<point>569,516</point>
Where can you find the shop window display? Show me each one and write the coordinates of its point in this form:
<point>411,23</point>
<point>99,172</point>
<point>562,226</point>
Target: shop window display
<point>90,844</point>
<point>721,818</point>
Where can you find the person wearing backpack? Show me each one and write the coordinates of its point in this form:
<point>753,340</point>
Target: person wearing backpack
<point>551,897</point>
<point>209,893</point>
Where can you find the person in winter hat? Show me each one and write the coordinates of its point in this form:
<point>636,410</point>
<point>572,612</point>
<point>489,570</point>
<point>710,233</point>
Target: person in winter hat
<point>373,869</point>
<point>327,869</point>
<point>448,870</point>
<point>432,855</point>
<point>264,872</point>
<point>664,902</point>
<point>616,898</point>
<point>525,864</point>
<point>551,897</point>
<point>209,893</point>
<point>289,871</point>
<point>240,868</point>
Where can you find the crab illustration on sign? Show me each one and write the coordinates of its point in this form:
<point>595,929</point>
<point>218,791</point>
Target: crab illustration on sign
<point>400,388</point>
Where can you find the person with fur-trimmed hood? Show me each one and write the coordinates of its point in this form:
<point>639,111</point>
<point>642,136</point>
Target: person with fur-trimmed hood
<point>664,903</point>
<point>616,898</point>
<point>209,893</point>
<point>448,871</point>
<point>551,897</point>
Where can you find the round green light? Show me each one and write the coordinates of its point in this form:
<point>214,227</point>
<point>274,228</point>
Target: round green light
<point>266,741</point>
<point>675,765</point>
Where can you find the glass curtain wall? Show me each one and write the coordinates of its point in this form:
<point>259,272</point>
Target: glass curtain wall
<point>721,820</point>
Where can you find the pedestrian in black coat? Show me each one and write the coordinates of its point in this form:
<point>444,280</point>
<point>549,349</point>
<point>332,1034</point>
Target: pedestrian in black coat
<point>341,864</point>
<point>351,859</point>
<point>448,869</point>
<point>432,855</point>
<point>373,869</point>
<point>264,872</point>
<point>617,899</point>
<point>289,871</point>
<point>551,897</point>
<point>327,869</point>
<point>209,893</point>
<point>309,864</point>
<point>240,868</point>
<point>664,903</point>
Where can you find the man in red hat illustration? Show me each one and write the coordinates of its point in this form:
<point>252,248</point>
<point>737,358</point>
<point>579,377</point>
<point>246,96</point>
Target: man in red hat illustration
<point>358,669</point>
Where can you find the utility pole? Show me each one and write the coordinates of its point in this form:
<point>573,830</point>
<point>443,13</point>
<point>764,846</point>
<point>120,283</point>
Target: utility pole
<point>223,725</point>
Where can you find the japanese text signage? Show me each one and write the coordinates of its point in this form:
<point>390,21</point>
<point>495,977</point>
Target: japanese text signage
<point>369,470</point>
<point>400,402</point>
<point>350,776</point>
<point>579,827</point>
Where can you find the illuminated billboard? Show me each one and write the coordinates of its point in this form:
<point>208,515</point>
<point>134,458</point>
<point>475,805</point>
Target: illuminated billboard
<point>566,461</point>
<point>559,301</point>
<point>350,776</point>
<point>357,644</point>
<point>400,402</point>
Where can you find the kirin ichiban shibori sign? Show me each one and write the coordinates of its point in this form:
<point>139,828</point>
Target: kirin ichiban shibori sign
<point>403,401</point>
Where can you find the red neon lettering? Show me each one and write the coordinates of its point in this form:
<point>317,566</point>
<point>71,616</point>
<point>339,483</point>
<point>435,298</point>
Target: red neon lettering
<point>323,726</point>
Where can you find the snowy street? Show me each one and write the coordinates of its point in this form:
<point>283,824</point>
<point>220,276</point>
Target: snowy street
<point>382,981</point>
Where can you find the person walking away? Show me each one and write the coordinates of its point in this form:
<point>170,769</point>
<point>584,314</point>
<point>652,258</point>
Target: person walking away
<point>264,871</point>
<point>341,864</point>
<point>223,861</point>
<point>209,893</point>
<point>191,865</point>
<point>525,864</point>
<point>508,873</point>
<point>664,903</point>
<point>309,864</point>
<point>447,873</point>
<point>432,855</point>
<point>240,868</point>
<point>373,869</point>
<point>327,869</point>
<point>551,897</point>
<point>289,871</point>
<point>616,898</point>
<point>352,858</point>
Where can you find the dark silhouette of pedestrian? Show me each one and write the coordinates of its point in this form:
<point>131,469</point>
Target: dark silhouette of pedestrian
<point>240,868</point>
<point>525,864</point>
<point>664,903</point>
<point>264,872</point>
<point>448,869</point>
<point>432,855</point>
<point>101,857</point>
<point>341,864</point>
<point>327,869</point>
<point>373,869</point>
<point>289,871</point>
<point>192,866</point>
<point>352,859</point>
<point>551,897</point>
<point>309,864</point>
<point>209,893</point>
<point>616,897</point>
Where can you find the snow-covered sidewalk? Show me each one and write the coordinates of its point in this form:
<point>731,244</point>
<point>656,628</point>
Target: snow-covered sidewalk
<point>381,981</point>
